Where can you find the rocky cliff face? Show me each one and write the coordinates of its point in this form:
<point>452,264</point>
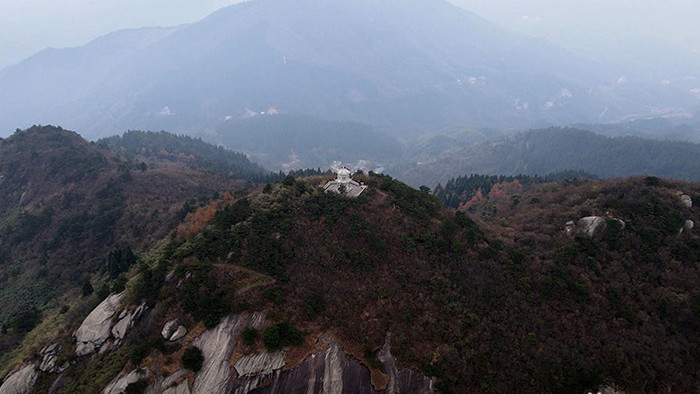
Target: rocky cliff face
<point>332,371</point>
<point>95,329</point>
<point>329,370</point>
<point>20,382</point>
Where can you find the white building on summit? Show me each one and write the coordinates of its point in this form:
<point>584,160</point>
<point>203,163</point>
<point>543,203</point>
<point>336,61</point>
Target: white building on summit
<point>343,184</point>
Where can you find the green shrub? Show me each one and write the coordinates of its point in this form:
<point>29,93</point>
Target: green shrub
<point>137,387</point>
<point>119,284</point>
<point>249,336</point>
<point>120,260</point>
<point>193,359</point>
<point>371,358</point>
<point>87,288</point>
<point>613,229</point>
<point>315,305</point>
<point>275,295</point>
<point>26,321</point>
<point>277,336</point>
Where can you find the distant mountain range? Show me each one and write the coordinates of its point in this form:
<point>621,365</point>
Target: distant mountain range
<point>403,67</point>
<point>544,151</point>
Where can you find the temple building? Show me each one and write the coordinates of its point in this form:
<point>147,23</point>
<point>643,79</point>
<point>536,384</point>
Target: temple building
<point>343,184</point>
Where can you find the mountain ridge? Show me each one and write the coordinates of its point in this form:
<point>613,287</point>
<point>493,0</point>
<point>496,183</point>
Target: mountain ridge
<point>404,68</point>
<point>554,149</point>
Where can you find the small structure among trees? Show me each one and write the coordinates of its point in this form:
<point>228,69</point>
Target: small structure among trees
<point>343,184</point>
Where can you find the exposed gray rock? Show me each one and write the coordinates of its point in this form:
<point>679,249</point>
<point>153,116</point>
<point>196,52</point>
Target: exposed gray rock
<point>181,388</point>
<point>173,378</point>
<point>119,329</point>
<point>260,364</point>
<point>170,275</point>
<point>591,225</point>
<point>688,225</point>
<point>127,321</point>
<point>217,346</point>
<point>49,362</point>
<point>20,382</point>
<point>333,371</point>
<point>95,330</point>
<point>179,333</point>
<point>687,201</point>
<point>118,385</point>
<point>172,332</point>
<point>570,228</point>
<point>384,356</point>
<point>401,381</point>
<point>168,329</point>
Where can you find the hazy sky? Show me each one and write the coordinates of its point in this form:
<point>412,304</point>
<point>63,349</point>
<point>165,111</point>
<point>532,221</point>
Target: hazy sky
<point>27,26</point>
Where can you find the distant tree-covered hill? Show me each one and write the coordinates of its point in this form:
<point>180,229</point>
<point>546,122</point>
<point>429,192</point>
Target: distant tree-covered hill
<point>162,148</point>
<point>460,190</point>
<point>655,129</point>
<point>545,151</point>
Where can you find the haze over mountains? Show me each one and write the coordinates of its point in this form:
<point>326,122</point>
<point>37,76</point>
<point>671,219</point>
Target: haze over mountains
<point>215,256</point>
<point>404,68</point>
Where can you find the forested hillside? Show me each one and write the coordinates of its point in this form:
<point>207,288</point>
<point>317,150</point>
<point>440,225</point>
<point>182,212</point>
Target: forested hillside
<point>65,204</point>
<point>495,299</point>
<point>458,191</point>
<point>540,152</point>
<point>161,149</point>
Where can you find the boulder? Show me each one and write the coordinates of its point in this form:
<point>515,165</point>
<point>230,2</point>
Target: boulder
<point>119,384</point>
<point>687,201</point>
<point>591,225</point>
<point>172,331</point>
<point>20,382</point>
<point>119,329</point>
<point>570,228</point>
<point>169,329</point>
<point>49,361</point>
<point>688,225</point>
<point>95,330</point>
<point>217,346</point>
<point>179,333</point>
<point>127,321</point>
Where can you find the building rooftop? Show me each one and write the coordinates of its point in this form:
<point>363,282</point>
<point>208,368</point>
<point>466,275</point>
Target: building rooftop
<point>344,185</point>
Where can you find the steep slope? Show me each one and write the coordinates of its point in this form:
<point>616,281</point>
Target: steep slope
<point>290,288</point>
<point>540,152</point>
<point>399,66</point>
<point>66,205</point>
